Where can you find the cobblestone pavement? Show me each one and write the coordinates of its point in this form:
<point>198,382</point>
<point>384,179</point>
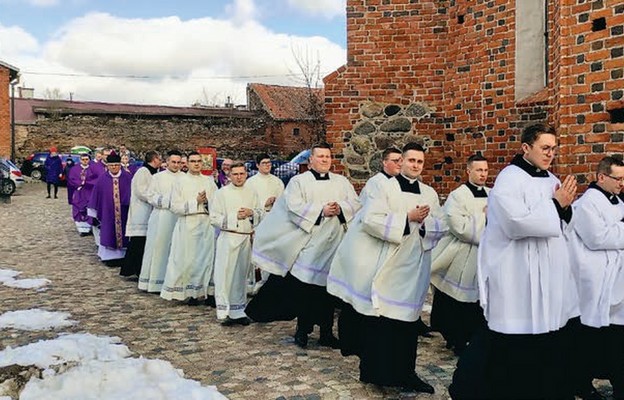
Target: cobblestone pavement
<point>260,361</point>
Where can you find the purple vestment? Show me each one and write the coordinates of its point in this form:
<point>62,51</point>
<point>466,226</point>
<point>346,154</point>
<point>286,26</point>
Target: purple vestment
<point>110,200</point>
<point>83,181</point>
<point>54,169</point>
<point>98,167</point>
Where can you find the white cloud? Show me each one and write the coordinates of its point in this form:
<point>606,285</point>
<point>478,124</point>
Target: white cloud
<point>187,60</point>
<point>325,8</point>
<point>242,11</point>
<point>15,41</point>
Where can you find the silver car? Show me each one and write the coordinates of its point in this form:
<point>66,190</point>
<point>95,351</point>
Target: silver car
<point>11,177</point>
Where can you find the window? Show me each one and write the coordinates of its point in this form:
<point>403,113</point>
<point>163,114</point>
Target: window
<point>531,47</point>
<point>296,132</point>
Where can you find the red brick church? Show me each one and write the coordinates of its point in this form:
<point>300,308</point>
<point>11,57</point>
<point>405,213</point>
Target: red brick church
<point>464,76</point>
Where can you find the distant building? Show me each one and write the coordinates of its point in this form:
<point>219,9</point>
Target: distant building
<point>275,122</point>
<point>294,115</point>
<point>8,75</point>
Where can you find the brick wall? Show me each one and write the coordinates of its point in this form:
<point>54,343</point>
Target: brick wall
<point>5,117</point>
<point>458,58</point>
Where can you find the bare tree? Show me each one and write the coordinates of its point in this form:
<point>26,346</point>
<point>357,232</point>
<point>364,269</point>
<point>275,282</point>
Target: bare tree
<point>310,76</point>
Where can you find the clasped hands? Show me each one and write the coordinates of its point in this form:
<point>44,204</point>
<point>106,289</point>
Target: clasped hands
<point>331,209</point>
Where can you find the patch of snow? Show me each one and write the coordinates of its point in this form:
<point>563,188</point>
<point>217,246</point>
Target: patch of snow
<point>36,283</point>
<point>120,379</point>
<point>35,320</point>
<point>78,347</point>
<point>7,278</point>
<point>8,275</point>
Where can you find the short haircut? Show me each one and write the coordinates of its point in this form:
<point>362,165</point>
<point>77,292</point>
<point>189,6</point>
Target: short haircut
<point>151,155</point>
<point>238,164</point>
<point>475,157</point>
<point>604,166</point>
<point>532,132</point>
<point>321,145</point>
<point>174,153</point>
<point>390,150</point>
<point>261,157</point>
<point>85,155</point>
<point>412,146</point>
<point>193,153</point>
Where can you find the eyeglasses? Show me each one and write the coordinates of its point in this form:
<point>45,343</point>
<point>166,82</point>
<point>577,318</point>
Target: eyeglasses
<point>617,179</point>
<point>396,160</point>
<point>546,150</point>
<point>265,162</point>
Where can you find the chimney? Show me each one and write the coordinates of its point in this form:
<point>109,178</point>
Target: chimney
<point>228,103</point>
<point>26,93</point>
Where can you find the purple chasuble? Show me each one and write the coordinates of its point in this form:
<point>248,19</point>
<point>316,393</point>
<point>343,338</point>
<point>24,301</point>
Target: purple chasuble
<point>98,168</point>
<point>111,201</point>
<point>83,180</point>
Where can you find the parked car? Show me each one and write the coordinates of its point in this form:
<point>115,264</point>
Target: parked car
<point>34,167</point>
<point>11,177</point>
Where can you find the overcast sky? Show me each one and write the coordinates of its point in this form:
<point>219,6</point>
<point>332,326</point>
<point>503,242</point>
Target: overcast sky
<point>168,52</point>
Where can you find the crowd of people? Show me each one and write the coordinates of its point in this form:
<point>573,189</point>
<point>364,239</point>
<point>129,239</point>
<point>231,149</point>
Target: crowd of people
<point>527,280</point>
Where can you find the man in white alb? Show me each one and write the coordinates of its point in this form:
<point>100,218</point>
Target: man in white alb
<point>526,286</point>
<point>138,215</point>
<point>160,225</point>
<point>233,210</point>
<point>299,237</point>
<point>456,313</point>
<point>597,247</point>
<point>268,188</point>
<point>191,256</point>
<point>381,269</point>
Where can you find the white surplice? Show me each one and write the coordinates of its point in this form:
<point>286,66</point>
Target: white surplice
<point>265,186</point>
<point>454,259</point>
<point>526,285</point>
<point>233,251</point>
<point>140,208</point>
<point>378,269</point>
<point>191,257</point>
<point>597,247</point>
<point>159,231</point>
<point>289,239</point>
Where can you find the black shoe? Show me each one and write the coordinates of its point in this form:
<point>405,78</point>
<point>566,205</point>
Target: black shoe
<point>210,302</point>
<point>48,197</point>
<point>228,322</point>
<point>244,321</point>
<point>329,341</point>
<point>55,196</point>
<point>301,339</point>
<point>132,279</point>
<point>415,384</point>
<point>192,302</point>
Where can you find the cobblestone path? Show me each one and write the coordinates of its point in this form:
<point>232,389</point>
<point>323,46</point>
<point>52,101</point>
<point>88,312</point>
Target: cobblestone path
<point>260,361</point>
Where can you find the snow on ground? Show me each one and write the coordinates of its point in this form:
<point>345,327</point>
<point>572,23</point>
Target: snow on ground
<point>84,367</point>
<point>121,379</point>
<point>77,347</point>
<point>7,278</point>
<point>35,320</point>
<point>8,274</point>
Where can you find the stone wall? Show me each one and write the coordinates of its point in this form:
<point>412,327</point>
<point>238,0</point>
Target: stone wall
<point>457,60</point>
<point>240,137</point>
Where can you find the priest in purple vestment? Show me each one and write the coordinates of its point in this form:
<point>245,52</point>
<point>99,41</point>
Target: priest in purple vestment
<point>82,178</point>
<point>108,206</point>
